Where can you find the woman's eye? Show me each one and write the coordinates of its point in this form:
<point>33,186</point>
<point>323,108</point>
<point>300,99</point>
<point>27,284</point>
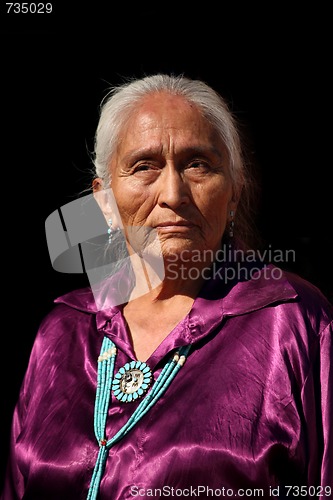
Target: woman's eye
<point>142,168</point>
<point>198,165</point>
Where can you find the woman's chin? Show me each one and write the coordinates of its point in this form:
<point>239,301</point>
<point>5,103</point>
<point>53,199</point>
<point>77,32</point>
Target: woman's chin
<point>178,249</point>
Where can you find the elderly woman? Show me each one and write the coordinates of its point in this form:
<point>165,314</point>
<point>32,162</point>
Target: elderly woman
<point>217,379</point>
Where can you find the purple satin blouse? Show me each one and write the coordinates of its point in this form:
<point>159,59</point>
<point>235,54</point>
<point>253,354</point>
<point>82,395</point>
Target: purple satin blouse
<point>250,411</point>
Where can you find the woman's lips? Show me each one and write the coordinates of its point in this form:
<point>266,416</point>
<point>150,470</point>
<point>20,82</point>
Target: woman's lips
<point>174,227</point>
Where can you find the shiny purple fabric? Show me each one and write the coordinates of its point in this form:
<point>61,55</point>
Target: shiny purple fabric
<point>251,408</point>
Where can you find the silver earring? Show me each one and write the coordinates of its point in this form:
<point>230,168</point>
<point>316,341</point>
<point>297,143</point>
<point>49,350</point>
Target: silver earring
<point>231,224</point>
<point>110,230</point>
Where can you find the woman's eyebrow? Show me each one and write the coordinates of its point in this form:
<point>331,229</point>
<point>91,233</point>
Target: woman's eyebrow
<point>202,150</point>
<point>186,151</point>
<point>141,153</point>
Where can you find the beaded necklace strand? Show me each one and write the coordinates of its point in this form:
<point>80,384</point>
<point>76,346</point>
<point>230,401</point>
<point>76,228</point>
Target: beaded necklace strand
<point>105,373</point>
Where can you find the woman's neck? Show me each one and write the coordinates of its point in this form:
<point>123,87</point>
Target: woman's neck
<point>166,283</point>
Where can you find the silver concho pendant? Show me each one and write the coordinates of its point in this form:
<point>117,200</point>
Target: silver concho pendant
<point>132,381</point>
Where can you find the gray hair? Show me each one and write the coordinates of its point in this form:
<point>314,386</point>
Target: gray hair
<point>122,100</point>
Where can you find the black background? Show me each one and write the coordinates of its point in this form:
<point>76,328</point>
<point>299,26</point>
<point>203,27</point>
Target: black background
<point>271,64</point>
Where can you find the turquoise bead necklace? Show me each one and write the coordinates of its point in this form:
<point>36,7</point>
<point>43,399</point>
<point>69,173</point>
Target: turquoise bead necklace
<point>105,383</point>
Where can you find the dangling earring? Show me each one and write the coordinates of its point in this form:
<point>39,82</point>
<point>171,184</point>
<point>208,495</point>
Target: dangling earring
<point>110,230</point>
<point>231,224</point>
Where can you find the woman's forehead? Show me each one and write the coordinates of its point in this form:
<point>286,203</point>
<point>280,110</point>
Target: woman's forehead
<point>157,125</point>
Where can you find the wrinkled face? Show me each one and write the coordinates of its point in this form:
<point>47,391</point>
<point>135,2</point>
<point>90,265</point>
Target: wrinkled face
<point>170,173</point>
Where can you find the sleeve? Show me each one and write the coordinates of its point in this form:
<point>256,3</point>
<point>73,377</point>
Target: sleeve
<point>318,414</point>
<point>326,384</point>
<point>14,482</point>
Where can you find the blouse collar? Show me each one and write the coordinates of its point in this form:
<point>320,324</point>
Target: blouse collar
<point>219,298</point>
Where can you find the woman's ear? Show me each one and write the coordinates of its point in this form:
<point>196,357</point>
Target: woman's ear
<point>97,184</point>
<point>236,195</point>
<point>101,197</point>
<point>106,202</point>
<point>233,203</point>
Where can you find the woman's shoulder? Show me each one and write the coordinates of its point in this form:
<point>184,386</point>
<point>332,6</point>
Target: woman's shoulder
<point>310,293</point>
<point>279,292</point>
<point>310,301</point>
<point>76,306</point>
<point>80,299</point>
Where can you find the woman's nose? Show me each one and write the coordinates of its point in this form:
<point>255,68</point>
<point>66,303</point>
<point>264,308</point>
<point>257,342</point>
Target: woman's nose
<point>173,188</point>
